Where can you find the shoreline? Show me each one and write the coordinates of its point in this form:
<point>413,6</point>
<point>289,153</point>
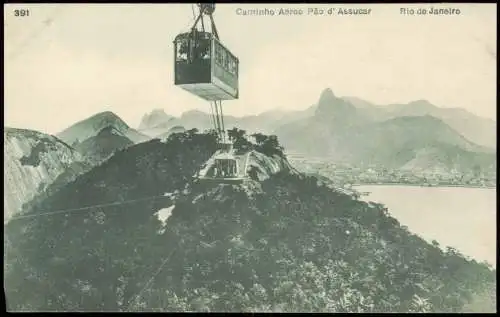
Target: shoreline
<point>420,185</point>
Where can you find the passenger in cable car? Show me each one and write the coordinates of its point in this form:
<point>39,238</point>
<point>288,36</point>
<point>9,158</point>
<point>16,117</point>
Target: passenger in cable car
<point>204,49</point>
<point>182,50</point>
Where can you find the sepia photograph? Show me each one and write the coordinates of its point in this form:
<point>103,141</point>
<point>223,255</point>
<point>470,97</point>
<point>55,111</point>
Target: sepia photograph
<point>230,157</point>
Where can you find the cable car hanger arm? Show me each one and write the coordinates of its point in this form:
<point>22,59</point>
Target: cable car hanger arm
<point>208,9</point>
<point>214,28</point>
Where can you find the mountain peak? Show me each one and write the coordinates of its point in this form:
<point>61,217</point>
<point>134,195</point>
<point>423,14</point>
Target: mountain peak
<point>193,113</point>
<point>327,95</point>
<point>423,104</point>
<point>330,107</point>
<point>104,119</point>
<point>89,127</point>
<point>154,119</point>
<point>110,115</point>
<point>159,111</point>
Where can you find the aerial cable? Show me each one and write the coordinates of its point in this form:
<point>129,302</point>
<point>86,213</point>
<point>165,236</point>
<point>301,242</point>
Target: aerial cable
<point>214,28</point>
<point>152,278</point>
<point>192,10</point>
<point>202,24</point>
<point>62,211</point>
<point>190,24</point>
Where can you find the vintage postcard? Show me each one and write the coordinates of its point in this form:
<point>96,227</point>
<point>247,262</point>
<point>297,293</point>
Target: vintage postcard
<point>234,157</point>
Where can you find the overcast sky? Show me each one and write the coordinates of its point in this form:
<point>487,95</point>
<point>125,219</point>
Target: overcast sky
<point>66,62</point>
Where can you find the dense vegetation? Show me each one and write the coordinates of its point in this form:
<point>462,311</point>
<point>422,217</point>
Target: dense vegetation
<point>286,244</point>
<point>268,145</point>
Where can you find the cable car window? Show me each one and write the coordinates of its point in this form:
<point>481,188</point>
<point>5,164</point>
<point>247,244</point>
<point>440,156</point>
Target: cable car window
<point>202,49</point>
<point>205,53</point>
<point>231,66</point>
<point>224,59</point>
<point>221,56</point>
<point>229,62</point>
<point>182,50</point>
<point>218,54</point>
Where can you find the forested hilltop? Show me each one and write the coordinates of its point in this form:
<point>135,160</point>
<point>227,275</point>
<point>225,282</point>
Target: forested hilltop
<point>287,243</point>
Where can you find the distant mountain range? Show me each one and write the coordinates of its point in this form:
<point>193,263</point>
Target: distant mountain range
<point>416,135</point>
<point>346,133</point>
<point>479,130</point>
<point>158,122</point>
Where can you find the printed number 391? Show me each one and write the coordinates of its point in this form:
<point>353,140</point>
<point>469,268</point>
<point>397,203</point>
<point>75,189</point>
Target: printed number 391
<point>22,13</point>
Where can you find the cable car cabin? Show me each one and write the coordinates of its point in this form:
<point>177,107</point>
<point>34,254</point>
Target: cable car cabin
<point>204,67</point>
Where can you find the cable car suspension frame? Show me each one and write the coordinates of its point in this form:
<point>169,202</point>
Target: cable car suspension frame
<point>215,106</point>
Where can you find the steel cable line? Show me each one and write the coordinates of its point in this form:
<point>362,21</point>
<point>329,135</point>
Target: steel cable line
<point>62,211</point>
<point>155,274</point>
<point>192,10</point>
<point>146,286</point>
<point>190,23</point>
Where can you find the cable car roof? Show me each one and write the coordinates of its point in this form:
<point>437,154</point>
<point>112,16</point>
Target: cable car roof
<point>186,35</point>
<point>208,35</point>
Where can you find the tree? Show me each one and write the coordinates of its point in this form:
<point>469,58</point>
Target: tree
<point>192,132</point>
<point>238,137</point>
<point>270,145</point>
<point>259,138</point>
<point>235,133</point>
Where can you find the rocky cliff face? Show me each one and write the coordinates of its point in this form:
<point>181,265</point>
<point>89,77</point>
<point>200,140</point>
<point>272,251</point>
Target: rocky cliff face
<point>268,165</point>
<point>32,160</point>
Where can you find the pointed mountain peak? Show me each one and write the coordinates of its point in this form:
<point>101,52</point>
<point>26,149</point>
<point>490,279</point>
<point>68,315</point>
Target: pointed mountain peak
<point>329,106</point>
<point>105,115</point>
<point>326,96</point>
